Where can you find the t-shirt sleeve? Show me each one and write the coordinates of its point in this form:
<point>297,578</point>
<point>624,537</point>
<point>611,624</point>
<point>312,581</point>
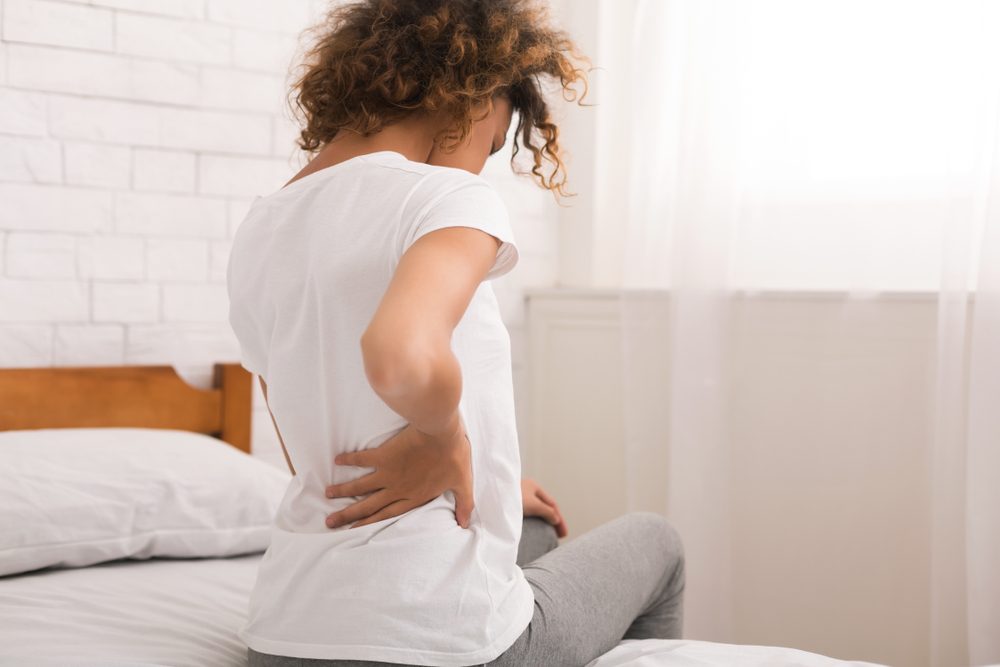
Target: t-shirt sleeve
<point>468,202</point>
<point>243,319</point>
<point>252,361</point>
<point>252,355</point>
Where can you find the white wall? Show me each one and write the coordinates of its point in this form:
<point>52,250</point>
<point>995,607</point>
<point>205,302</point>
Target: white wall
<point>133,134</point>
<point>831,532</point>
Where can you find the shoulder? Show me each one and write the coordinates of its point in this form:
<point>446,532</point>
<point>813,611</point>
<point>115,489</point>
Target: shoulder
<point>430,179</point>
<point>439,185</point>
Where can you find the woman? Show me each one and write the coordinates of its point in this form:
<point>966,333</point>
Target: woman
<point>360,296</point>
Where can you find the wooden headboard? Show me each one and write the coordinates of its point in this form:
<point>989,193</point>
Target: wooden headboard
<point>136,396</point>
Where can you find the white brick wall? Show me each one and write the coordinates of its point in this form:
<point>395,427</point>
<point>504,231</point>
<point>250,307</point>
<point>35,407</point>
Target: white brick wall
<point>133,136</point>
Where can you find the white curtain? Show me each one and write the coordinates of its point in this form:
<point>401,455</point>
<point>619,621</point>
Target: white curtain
<point>834,162</point>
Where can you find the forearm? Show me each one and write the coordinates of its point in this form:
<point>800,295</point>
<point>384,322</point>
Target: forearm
<point>422,383</point>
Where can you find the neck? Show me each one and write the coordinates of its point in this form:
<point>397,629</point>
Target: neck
<point>412,137</point>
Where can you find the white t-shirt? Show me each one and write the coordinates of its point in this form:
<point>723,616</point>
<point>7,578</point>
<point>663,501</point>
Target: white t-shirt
<point>307,270</point>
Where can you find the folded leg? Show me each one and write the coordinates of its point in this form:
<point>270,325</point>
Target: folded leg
<point>621,580</point>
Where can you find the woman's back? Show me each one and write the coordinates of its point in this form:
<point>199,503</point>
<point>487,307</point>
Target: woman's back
<point>308,267</point>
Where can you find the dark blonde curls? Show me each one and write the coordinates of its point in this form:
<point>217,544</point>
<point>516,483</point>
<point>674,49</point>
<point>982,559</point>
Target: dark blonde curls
<point>376,61</point>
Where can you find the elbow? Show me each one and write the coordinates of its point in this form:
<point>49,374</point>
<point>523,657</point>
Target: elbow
<point>396,363</point>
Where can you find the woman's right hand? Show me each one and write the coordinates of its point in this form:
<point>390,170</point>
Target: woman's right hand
<point>411,469</point>
<point>535,501</point>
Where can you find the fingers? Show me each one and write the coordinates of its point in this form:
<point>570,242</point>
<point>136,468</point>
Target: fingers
<point>358,510</point>
<point>387,512</point>
<point>542,511</point>
<point>561,529</point>
<point>364,458</point>
<point>549,514</point>
<point>560,523</point>
<point>553,516</point>
<point>546,498</point>
<point>356,487</point>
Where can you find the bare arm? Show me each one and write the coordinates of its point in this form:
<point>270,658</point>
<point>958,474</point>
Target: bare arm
<point>407,345</point>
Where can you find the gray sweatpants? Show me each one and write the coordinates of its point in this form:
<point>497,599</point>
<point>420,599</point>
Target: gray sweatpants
<point>621,580</point>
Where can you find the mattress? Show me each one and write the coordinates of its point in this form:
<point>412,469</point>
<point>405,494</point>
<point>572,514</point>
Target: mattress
<point>185,612</point>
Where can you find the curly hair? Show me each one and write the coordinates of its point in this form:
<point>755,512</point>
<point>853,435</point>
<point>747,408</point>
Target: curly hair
<point>376,61</point>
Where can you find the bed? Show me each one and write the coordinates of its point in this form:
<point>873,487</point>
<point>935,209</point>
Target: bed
<point>111,557</point>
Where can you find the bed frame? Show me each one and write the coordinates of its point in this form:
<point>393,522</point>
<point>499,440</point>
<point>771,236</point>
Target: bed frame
<point>135,396</point>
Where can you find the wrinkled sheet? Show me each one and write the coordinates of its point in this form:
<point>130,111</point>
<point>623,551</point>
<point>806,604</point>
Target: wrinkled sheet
<point>185,612</point>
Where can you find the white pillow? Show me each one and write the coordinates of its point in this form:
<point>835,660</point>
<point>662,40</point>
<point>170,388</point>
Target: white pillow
<point>78,496</point>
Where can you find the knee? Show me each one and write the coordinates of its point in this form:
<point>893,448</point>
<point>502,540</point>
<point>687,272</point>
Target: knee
<point>541,532</point>
<point>662,531</point>
<point>659,531</point>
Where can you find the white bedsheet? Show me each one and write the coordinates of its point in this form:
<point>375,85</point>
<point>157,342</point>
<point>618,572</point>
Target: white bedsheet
<point>177,612</point>
<point>693,653</point>
<point>184,613</point>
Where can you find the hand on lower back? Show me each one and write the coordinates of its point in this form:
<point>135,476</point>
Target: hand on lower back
<point>412,468</point>
<point>537,502</point>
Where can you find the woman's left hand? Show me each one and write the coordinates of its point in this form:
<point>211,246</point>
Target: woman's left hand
<point>539,503</point>
<point>412,468</point>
